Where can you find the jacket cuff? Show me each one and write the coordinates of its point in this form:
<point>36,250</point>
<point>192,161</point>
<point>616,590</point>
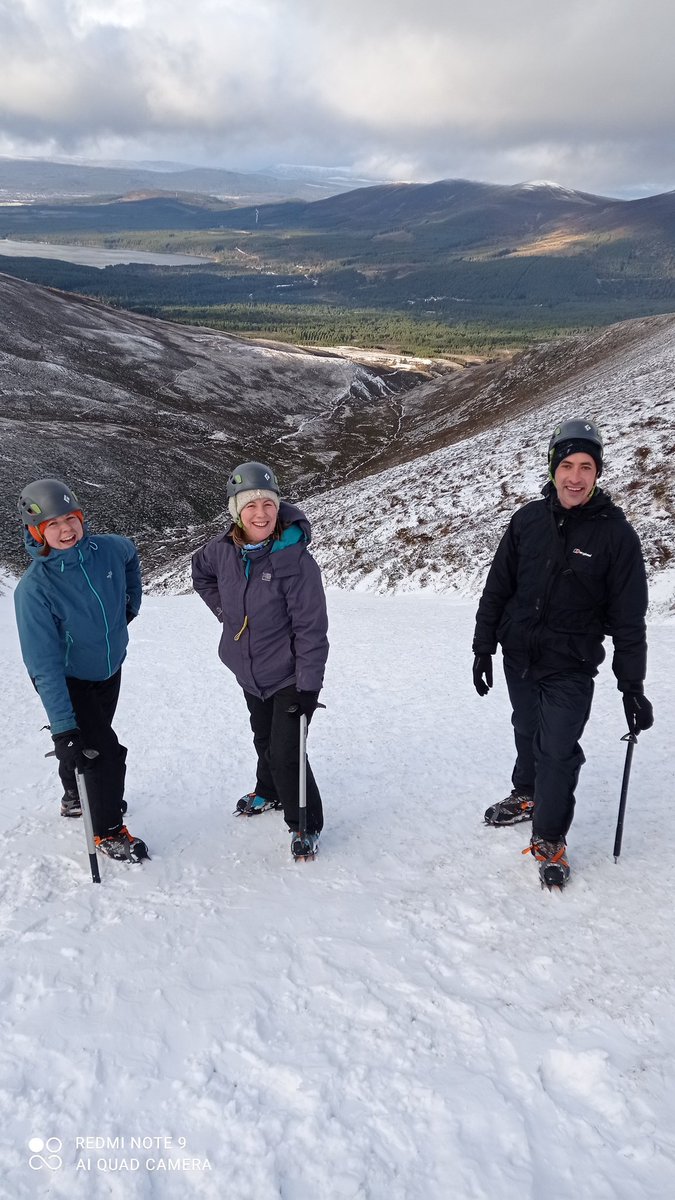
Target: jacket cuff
<point>627,685</point>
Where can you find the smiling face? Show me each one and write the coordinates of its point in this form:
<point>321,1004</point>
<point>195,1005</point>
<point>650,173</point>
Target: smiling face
<point>258,519</point>
<point>64,532</point>
<point>575,480</point>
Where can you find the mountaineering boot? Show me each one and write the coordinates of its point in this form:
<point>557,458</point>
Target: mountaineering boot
<point>122,846</point>
<point>251,804</point>
<point>515,808</point>
<point>304,845</point>
<point>70,804</point>
<point>554,869</point>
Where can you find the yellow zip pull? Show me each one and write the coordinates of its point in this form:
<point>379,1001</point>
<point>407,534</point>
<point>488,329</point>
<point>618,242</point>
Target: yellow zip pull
<point>238,635</point>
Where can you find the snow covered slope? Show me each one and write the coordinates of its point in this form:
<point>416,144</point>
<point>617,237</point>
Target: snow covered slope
<point>407,1018</point>
<point>435,522</point>
<point>472,449</point>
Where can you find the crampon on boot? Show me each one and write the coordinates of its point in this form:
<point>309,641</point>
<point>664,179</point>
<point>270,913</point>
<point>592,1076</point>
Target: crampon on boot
<point>251,804</point>
<point>70,805</point>
<point>304,845</point>
<point>554,869</point>
<point>515,808</point>
<point>122,846</point>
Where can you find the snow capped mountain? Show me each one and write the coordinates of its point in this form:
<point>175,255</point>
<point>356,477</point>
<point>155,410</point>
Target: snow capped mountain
<point>545,183</point>
<point>549,188</point>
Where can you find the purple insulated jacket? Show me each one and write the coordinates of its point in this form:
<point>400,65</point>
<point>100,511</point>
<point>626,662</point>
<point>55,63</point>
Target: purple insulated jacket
<point>274,618</point>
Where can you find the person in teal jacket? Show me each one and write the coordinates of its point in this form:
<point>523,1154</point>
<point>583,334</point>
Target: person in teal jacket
<point>73,606</point>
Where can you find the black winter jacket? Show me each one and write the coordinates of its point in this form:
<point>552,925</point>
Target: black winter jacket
<point>561,580</point>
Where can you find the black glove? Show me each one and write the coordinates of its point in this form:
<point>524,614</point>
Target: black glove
<point>638,710</point>
<point>302,702</point>
<point>69,747</point>
<point>482,673</point>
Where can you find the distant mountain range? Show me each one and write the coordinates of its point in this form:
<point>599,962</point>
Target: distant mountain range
<point>459,217</point>
<point>35,179</point>
<point>533,257</point>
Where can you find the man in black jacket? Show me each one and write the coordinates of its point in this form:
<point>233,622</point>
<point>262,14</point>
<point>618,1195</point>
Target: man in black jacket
<point>568,570</point>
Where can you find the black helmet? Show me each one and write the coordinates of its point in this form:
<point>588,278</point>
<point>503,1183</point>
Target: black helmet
<point>46,499</point>
<point>252,476</point>
<point>577,429</point>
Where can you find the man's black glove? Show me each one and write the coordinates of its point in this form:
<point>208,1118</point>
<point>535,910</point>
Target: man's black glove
<point>302,702</point>
<point>482,673</point>
<point>638,710</point>
<point>69,747</point>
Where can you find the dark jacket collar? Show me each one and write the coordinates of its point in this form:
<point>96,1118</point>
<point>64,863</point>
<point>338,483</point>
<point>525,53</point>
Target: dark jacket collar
<point>599,502</point>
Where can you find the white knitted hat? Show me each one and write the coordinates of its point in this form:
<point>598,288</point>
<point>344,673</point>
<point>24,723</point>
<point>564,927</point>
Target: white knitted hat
<point>236,503</point>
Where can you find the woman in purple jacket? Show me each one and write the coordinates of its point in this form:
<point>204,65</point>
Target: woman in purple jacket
<point>263,585</point>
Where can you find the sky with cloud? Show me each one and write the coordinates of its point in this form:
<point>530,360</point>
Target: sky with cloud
<point>499,90</point>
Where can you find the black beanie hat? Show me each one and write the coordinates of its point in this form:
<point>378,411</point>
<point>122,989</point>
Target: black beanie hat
<point>576,446</point>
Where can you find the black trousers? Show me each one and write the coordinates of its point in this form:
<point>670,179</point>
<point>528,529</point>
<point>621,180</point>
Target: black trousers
<point>276,737</point>
<point>94,704</point>
<point>549,717</point>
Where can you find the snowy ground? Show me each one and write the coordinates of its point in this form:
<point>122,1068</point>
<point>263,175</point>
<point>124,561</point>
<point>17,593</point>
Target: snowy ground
<point>407,1018</point>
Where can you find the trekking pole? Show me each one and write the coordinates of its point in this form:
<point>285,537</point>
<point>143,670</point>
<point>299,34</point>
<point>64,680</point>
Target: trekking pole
<point>81,784</point>
<point>631,738</point>
<point>302,779</point>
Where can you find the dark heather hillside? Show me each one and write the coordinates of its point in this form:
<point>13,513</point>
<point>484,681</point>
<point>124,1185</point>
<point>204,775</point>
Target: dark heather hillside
<point>471,210</point>
<point>145,418</point>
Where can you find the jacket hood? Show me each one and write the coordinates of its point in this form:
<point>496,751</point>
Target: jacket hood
<point>290,515</point>
<point>60,558</point>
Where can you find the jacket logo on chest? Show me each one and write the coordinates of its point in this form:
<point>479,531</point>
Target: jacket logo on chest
<point>578,551</point>
<point>266,575</point>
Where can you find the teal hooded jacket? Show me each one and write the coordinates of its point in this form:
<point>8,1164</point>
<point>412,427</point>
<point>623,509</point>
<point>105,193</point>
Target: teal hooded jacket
<point>72,609</point>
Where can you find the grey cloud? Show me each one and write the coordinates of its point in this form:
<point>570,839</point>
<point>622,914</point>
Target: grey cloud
<point>584,93</point>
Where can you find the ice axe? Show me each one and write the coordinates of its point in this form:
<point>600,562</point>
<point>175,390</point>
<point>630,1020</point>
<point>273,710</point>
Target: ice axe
<point>631,739</point>
<point>302,779</point>
<point>81,785</point>
<point>302,774</point>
